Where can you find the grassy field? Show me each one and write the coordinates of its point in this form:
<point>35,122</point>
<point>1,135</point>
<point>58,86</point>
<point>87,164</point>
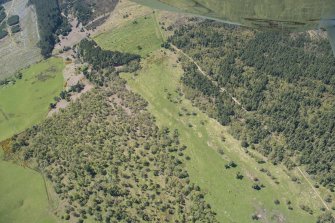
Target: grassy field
<point>27,102</point>
<point>234,200</point>
<point>142,36</point>
<point>22,195</point>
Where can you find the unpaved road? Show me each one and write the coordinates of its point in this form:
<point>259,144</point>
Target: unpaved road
<point>316,192</point>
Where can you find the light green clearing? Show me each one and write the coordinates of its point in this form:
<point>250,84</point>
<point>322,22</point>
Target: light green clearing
<point>22,195</point>
<point>234,200</point>
<point>26,103</point>
<point>141,32</point>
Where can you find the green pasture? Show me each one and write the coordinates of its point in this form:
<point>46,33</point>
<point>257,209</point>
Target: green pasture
<point>140,36</point>
<point>23,198</point>
<point>27,101</point>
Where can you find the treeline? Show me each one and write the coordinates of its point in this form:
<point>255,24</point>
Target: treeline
<point>50,23</point>
<point>11,80</point>
<point>285,82</point>
<point>105,63</point>
<point>93,54</point>
<point>108,162</point>
<point>223,103</point>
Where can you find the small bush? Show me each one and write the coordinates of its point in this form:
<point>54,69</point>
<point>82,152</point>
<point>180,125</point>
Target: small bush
<point>239,176</point>
<point>232,164</point>
<point>244,144</point>
<point>256,187</point>
<point>307,209</point>
<point>328,199</point>
<point>221,151</point>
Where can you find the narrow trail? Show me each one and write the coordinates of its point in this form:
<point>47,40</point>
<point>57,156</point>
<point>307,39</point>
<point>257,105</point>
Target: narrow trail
<point>210,78</point>
<point>44,181</point>
<point>46,187</point>
<point>97,18</point>
<point>2,112</point>
<point>315,191</point>
<point>158,27</point>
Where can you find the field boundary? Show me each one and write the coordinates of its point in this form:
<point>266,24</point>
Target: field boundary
<point>4,114</point>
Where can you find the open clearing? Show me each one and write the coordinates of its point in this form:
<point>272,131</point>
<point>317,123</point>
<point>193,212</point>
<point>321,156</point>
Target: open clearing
<point>27,102</point>
<point>20,50</point>
<point>140,36</point>
<point>23,198</point>
<point>124,12</point>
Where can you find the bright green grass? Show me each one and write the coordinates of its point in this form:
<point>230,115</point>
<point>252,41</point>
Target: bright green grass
<point>22,195</point>
<point>26,103</point>
<point>234,200</point>
<point>144,33</point>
